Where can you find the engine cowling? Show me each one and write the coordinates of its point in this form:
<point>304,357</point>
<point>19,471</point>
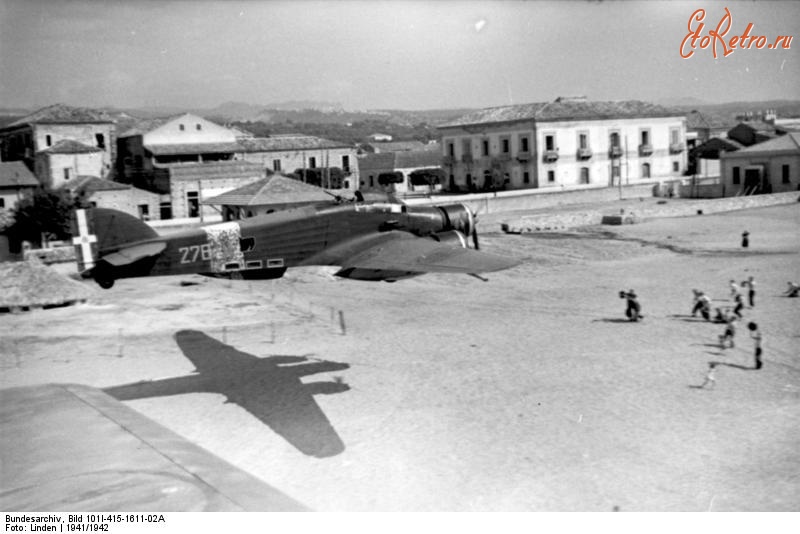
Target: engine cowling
<point>451,236</point>
<point>460,218</point>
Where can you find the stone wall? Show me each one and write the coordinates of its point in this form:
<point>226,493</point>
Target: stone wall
<point>637,212</point>
<point>538,199</point>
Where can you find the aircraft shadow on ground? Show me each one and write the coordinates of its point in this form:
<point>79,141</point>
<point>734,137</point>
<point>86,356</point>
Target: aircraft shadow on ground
<point>269,388</point>
<point>614,320</point>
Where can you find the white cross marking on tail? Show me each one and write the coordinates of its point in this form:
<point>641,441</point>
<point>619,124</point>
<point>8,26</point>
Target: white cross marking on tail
<point>84,239</point>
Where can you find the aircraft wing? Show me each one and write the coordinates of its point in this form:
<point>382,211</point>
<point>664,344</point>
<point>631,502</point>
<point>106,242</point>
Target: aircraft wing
<point>397,251</point>
<point>130,254</point>
<point>73,448</point>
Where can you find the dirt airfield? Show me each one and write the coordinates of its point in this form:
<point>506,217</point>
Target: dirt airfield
<point>530,392</point>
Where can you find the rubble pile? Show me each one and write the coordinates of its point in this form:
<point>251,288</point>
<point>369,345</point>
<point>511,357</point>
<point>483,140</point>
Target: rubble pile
<point>29,284</point>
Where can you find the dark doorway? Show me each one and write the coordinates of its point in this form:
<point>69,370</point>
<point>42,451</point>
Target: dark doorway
<point>752,181</point>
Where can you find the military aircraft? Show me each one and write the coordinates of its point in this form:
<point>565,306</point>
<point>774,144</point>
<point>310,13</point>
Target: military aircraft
<point>367,240</point>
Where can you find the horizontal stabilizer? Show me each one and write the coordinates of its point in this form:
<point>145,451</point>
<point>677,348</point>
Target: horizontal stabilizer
<point>133,253</point>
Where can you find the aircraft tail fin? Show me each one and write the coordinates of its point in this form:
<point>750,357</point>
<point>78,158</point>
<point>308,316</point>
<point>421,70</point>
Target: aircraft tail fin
<point>99,229</point>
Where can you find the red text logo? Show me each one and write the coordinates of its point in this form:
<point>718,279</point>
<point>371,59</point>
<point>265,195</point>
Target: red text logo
<point>718,37</point>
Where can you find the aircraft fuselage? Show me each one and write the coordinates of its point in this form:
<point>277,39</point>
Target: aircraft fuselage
<point>265,246</point>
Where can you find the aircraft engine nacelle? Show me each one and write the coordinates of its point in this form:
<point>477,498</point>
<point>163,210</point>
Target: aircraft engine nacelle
<point>452,236</point>
<point>458,217</point>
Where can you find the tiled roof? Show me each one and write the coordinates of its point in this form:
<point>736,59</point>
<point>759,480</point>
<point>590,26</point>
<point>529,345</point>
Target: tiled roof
<point>417,158</point>
<point>90,184</point>
<point>758,126</point>
<point>192,148</point>
<point>789,142</point>
<point>142,126</point>
<point>375,162</point>
<point>70,146</point>
<point>287,143</point>
<point>254,144</point>
<point>220,169</point>
<point>711,148</point>
<point>15,174</point>
<point>397,146</point>
<point>564,110</point>
<point>385,161</point>
<point>61,114</point>
<point>276,189</point>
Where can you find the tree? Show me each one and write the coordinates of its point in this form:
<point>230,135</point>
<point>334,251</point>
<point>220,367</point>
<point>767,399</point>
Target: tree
<point>47,213</point>
<point>387,178</point>
<point>430,177</point>
<point>328,177</point>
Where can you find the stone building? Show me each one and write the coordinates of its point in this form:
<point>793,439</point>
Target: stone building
<point>186,186</point>
<point>772,166</point>
<point>63,162</point>
<point>16,181</point>
<point>568,143</point>
<point>151,144</point>
<point>704,158</point>
<point>107,194</point>
<point>60,125</point>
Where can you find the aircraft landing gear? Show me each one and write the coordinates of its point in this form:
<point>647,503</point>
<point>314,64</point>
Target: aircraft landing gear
<point>103,277</point>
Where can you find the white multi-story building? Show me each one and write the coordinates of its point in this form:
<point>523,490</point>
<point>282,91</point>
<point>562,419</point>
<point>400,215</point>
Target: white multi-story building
<point>570,142</point>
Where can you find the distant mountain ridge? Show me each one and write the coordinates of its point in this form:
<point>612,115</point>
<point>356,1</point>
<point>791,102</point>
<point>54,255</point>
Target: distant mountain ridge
<point>320,112</point>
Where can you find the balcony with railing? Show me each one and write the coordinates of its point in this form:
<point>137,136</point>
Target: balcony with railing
<point>448,160</point>
<point>645,150</point>
<point>523,156</point>
<point>466,158</point>
<point>615,152</point>
<point>550,156</point>
<point>584,153</point>
<point>675,148</point>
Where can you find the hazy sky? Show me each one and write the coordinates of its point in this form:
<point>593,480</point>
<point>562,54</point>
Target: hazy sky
<point>399,54</point>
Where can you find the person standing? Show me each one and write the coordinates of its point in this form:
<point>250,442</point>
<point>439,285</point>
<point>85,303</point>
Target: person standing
<point>751,291</point>
<point>633,309</point>
<point>756,335</point>
<point>710,379</point>
<point>745,239</point>
<point>737,309</point>
<point>730,331</point>
<point>702,304</point>
<point>734,289</point>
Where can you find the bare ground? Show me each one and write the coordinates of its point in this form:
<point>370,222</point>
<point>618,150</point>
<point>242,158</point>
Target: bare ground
<point>444,393</point>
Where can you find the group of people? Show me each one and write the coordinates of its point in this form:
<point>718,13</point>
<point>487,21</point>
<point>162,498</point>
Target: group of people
<point>730,317</point>
<point>755,333</point>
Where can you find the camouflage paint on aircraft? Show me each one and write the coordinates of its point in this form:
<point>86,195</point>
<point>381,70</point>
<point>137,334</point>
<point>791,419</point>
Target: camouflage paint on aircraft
<point>225,248</point>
